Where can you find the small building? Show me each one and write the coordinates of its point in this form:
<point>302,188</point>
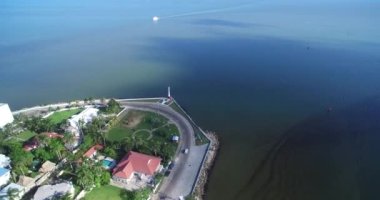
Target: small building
<point>6,116</point>
<point>18,193</point>
<point>47,192</point>
<point>138,164</point>
<point>47,167</point>
<point>5,175</point>
<point>27,182</point>
<point>4,161</point>
<point>175,138</point>
<point>92,152</point>
<point>74,126</point>
<point>85,116</point>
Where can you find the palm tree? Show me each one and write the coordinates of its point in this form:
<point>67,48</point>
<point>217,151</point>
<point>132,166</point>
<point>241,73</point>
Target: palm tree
<point>68,138</point>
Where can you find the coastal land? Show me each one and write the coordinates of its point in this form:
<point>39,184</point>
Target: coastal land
<point>157,128</point>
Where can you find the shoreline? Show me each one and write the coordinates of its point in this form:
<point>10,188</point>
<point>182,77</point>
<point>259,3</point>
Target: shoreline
<point>200,189</point>
<point>200,186</point>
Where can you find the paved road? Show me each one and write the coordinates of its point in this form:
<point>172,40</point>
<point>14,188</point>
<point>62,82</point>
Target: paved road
<point>184,174</point>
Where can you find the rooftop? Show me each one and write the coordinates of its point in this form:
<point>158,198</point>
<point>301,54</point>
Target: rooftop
<point>25,181</point>
<point>48,191</point>
<point>4,161</point>
<point>92,150</point>
<point>3,171</point>
<point>4,191</point>
<point>136,162</point>
<point>47,167</point>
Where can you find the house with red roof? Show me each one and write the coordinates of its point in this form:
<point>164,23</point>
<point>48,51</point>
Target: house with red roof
<point>136,164</point>
<point>91,153</point>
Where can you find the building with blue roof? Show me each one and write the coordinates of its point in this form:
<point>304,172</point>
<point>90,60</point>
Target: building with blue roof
<point>5,175</point>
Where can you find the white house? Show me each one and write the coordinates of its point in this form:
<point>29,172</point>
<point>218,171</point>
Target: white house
<point>5,175</point>
<point>18,194</point>
<point>5,115</point>
<point>4,161</point>
<point>49,191</point>
<point>85,116</point>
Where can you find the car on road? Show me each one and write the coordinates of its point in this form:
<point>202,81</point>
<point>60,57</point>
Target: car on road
<point>171,166</point>
<point>186,151</point>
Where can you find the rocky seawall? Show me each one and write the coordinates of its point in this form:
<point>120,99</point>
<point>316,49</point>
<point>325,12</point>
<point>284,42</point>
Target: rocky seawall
<point>201,187</point>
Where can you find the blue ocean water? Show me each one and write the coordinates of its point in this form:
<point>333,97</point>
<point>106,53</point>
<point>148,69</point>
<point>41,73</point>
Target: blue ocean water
<point>260,73</point>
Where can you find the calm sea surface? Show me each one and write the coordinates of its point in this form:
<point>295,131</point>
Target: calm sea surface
<point>262,74</point>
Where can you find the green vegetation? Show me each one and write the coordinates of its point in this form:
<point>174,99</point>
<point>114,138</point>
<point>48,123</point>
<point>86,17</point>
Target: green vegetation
<point>106,192</point>
<point>21,160</point>
<point>141,194</point>
<point>26,135</point>
<point>61,116</point>
<point>144,132</point>
<point>38,124</point>
<point>113,107</point>
<point>89,174</point>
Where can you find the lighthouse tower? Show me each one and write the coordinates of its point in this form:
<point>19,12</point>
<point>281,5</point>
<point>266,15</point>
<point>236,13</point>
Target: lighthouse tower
<point>169,96</point>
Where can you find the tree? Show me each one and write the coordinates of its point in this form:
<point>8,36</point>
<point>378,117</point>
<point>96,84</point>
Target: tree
<point>127,195</point>
<point>68,138</point>
<point>91,174</point>
<point>113,106</point>
<point>105,178</point>
<point>21,160</point>
<point>110,152</point>
<point>42,154</point>
<point>56,146</point>
<point>141,194</point>
<point>13,193</point>
<point>85,177</point>
<point>39,124</point>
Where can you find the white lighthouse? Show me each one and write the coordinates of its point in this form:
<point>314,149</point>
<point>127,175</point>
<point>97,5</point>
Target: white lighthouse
<point>169,96</point>
<point>6,116</point>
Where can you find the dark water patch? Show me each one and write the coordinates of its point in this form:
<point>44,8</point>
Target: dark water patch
<point>251,91</point>
<point>330,156</point>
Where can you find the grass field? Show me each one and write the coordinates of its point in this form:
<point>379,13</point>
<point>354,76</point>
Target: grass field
<point>61,116</point>
<point>133,121</point>
<point>107,192</point>
<point>26,135</point>
<point>146,132</point>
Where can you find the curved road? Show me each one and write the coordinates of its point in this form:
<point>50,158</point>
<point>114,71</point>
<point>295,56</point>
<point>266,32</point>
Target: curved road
<point>183,175</point>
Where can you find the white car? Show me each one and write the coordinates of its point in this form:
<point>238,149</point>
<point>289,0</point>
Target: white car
<point>186,151</point>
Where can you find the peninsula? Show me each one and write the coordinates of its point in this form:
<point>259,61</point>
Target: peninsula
<point>96,148</point>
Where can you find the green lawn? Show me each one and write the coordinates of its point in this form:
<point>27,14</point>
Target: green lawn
<point>117,133</point>
<point>107,192</point>
<point>148,133</point>
<point>61,116</point>
<point>148,120</point>
<point>26,135</point>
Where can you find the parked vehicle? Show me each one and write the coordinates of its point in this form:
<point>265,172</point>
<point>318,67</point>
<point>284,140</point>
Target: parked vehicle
<point>171,166</point>
<point>186,151</point>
